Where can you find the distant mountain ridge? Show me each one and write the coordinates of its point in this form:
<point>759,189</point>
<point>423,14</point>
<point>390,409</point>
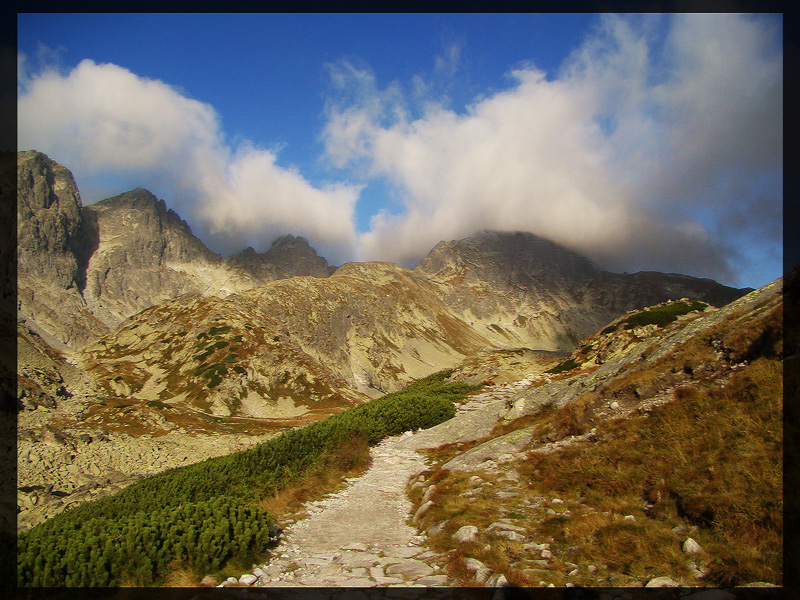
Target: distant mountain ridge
<point>157,317</point>
<point>289,256</point>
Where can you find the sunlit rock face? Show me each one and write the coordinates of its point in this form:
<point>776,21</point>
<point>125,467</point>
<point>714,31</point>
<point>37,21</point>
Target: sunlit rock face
<point>50,257</point>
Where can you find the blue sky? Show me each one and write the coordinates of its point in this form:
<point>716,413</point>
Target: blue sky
<point>643,141</point>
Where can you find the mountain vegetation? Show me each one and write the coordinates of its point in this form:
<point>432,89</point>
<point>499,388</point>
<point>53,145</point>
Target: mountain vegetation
<point>686,441</point>
<point>207,514</point>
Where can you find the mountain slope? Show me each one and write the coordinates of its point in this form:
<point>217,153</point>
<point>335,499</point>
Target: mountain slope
<point>518,288</point>
<point>83,269</point>
<point>659,464</point>
<point>140,254</point>
<point>315,345</point>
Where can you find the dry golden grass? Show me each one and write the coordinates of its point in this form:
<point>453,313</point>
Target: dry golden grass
<point>325,477</point>
<point>182,576</point>
<point>710,461</point>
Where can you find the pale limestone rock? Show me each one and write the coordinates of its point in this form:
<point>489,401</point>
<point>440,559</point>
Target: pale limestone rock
<point>420,512</point>
<point>691,547</point>
<point>465,534</point>
<point>662,582</point>
<point>437,529</point>
<point>409,569</point>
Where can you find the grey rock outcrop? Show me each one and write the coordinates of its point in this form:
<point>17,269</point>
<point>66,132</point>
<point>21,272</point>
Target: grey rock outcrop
<point>517,288</point>
<point>662,582</point>
<point>465,534</point>
<point>49,255</point>
<point>139,253</point>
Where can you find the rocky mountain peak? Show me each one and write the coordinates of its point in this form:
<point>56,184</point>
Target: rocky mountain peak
<point>288,256</point>
<point>148,233</point>
<point>287,239</point>
<point>48,219</point>
<point>508,259</point>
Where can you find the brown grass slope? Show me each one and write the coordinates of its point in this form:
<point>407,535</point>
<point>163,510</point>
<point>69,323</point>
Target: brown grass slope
<point>686,442</point>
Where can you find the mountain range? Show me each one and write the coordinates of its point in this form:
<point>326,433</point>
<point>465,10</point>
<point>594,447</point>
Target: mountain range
<point>150,314</point>
<point>140,350</point>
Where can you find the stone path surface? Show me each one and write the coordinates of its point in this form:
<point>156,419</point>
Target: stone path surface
<point>359,536</point>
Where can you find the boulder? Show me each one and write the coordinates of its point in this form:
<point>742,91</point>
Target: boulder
<point>511,535</point>
<point>691,547</point>
<point>410,569</point>
<point>421,511</point>
<point>465,534</point>
<point>662,582</point>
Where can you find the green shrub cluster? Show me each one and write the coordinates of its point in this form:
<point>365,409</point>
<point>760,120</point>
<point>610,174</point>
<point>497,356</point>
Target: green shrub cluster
<point>137,532</point>
<point>138,548</point>
<point>663,315</point>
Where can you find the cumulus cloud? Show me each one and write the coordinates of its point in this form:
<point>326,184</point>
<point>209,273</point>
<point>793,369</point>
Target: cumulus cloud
<point>639,152</point>
<point>656,145</point>
<point>101,118</point>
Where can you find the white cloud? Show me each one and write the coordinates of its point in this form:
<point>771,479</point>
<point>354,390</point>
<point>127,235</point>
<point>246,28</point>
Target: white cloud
<point>629,153</point>
<point>658,145</point>
<point>102,117</point>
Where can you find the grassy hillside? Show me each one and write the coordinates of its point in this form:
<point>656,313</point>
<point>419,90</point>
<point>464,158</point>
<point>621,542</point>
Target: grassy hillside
<point>208,514</point>
<point>603,499</point>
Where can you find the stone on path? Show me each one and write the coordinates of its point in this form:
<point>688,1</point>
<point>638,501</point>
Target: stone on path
<point>662,582</point>
<point>247,579</point>
<point>354,560</point>
<point>465,534</point>
<point>401,551</point>
<point>409,569</point>
<point>691,547</point>
<point>355,546</point>
<point>433,580</point>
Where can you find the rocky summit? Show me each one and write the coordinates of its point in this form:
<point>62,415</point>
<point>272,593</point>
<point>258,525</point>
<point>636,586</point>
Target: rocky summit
<point>289,256</point>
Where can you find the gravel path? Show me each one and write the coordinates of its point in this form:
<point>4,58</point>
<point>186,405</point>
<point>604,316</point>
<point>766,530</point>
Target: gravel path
<point>359,536</point>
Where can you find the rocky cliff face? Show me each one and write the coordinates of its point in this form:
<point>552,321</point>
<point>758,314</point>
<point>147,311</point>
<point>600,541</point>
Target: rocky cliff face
<point>50,273</point>
<point>84,269</point>
<point>140,254</point>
